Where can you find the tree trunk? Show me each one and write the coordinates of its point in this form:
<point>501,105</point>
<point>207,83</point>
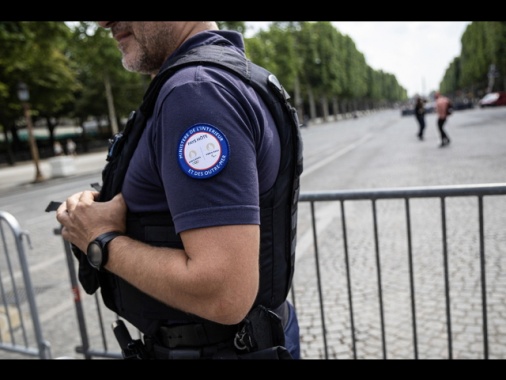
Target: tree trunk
<point>110,105</point>
<point>325,108</point>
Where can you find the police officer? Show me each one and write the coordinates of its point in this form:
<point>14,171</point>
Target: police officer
<point>207,156</point>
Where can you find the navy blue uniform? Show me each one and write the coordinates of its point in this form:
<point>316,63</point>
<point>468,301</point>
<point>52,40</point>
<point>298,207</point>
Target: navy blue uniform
<point>208,152</point>
<point>213,97</point>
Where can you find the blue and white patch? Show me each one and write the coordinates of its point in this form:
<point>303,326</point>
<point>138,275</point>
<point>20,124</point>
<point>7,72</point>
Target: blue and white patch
<point>203,151</point>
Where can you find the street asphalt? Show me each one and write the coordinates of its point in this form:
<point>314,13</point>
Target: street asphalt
<point>375,151</point>
<point>23,175</point>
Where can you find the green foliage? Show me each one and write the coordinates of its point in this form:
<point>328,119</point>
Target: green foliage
<point>34,53</point>
<point>315,58</point>
<point>69,66</point>
<point>275,50</point>
<point>239,26</point>
<point>99,65</point>
<point>483,44</point>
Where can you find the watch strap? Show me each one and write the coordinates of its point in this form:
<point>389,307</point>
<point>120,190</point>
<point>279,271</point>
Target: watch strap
<point>104,239</point>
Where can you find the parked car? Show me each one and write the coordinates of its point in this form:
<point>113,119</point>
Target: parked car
<point>493,99</point>
<point>430,107</point>
<point>462,104</point>
<point>407,110</point>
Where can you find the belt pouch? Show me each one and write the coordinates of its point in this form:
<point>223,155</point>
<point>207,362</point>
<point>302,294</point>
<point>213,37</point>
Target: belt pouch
<point>261,329</point>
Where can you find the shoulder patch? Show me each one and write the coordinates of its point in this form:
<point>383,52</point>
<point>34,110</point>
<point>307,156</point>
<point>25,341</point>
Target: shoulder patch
<point>203,151</point>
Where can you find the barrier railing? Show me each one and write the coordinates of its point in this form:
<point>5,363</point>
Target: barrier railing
<point>373,302</point>
<point>439,283</point>
<point>381,274</point>
<point>20,329</point>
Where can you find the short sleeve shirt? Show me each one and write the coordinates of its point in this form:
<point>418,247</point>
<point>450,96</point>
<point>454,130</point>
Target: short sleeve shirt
<point>442,106</point>
<point>209,150</point>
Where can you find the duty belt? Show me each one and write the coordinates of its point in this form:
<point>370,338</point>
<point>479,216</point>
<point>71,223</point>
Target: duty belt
<point>195,335</point>
<point>196,341</point>
<point>204,334</point>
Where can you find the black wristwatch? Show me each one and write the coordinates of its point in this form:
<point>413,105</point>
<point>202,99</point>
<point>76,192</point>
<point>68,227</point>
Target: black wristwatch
<point>97,251</point>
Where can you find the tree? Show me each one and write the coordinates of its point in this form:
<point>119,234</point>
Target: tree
<point>239,26</point>
<point>275,49</point>
<point>108,90</point>
<point>33,52</point>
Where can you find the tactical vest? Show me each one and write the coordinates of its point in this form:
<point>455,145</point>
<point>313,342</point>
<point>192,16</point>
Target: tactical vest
<point>278,205</point>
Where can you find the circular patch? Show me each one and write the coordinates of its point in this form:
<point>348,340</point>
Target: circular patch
<point>203,151</point>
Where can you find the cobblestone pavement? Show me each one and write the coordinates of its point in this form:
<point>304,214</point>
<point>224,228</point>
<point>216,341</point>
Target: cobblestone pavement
<point>374,151</point>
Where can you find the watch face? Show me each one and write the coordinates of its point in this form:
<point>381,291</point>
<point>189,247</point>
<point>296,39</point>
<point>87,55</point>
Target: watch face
<point>95,254</point>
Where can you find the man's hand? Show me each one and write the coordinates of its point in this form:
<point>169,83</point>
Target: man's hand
<point>83,219</point>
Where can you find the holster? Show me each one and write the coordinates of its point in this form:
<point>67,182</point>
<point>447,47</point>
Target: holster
<point>261,336</point>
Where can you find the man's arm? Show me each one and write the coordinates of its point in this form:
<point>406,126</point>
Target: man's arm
<point>216,277</point>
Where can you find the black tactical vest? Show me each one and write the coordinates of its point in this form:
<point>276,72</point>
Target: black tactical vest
<point>278,205</point>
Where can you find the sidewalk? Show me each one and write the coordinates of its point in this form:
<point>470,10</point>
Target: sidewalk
<point>23,173</point>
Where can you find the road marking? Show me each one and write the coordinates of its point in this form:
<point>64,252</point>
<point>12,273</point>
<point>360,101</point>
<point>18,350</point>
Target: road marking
<point>306,239</point>
<point>339,153</point>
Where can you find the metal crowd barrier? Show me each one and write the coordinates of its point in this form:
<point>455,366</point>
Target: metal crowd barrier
<point>103,344</point>
<point>331,318</point>
<point>20,329</point>
<point>398,273</point>
<point>467,302</point>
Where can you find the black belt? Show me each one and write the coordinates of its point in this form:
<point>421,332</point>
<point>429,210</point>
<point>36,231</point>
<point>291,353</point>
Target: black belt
<point>196,335</point>
<point>205,334</point>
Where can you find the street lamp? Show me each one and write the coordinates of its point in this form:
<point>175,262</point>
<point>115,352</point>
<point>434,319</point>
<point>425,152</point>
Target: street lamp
<point>24,97</point>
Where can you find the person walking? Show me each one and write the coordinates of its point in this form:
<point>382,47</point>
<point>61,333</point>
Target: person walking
<point>57,149</point>
<point>420,116</point>
<point>196,249</point>
<point>71,147</point>
<point>443,105</point>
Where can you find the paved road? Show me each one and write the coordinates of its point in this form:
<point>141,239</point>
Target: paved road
<point>379,150</point>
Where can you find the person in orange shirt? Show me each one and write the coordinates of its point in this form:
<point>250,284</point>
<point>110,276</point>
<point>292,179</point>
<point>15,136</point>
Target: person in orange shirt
<point>442,106</point>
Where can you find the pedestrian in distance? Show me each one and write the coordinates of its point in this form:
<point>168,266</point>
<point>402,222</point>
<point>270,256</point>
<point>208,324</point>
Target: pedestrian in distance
<point>194,244</point>
<point>419,111</point>
<point>57,148</point>
<point>443,110</point>
<point>71,147</point>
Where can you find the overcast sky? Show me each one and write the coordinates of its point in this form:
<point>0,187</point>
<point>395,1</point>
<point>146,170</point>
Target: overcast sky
<point>416,52</point>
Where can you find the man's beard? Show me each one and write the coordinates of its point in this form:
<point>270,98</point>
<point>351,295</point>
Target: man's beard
<point>139,64</point>
<point>143,62</point>
<point>149,55</point>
